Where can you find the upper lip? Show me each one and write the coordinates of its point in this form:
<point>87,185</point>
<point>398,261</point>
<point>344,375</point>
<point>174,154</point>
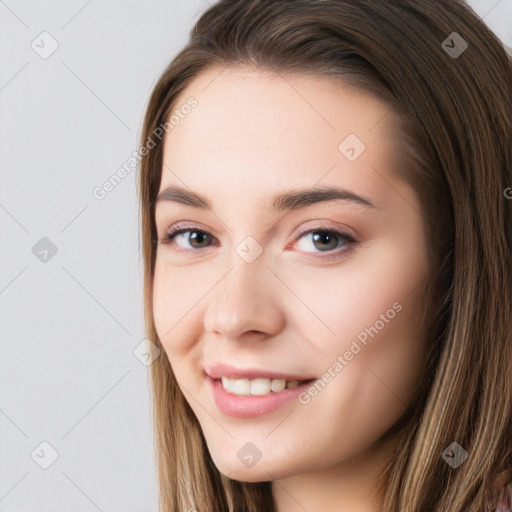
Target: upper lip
<point>218,370</point>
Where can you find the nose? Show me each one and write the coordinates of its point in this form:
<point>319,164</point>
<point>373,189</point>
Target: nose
<point>248,299</point>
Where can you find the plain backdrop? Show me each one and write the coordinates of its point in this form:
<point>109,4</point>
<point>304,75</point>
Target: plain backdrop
<point>75,76</point>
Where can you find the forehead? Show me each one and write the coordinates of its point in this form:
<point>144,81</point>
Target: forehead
<point>253,130</point>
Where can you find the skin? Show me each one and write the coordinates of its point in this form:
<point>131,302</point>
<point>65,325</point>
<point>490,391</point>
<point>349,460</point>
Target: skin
<point>254,134</point>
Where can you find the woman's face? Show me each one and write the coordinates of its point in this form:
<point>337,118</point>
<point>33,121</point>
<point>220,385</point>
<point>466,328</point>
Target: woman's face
<point>256,289</point>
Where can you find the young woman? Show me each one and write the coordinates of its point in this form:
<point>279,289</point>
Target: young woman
<point>326,230</point>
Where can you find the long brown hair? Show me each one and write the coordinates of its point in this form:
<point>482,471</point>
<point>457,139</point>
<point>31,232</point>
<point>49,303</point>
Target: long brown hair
<point>452,94</point>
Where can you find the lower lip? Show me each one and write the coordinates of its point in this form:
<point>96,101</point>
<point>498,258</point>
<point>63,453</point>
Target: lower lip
<point>249,406</point>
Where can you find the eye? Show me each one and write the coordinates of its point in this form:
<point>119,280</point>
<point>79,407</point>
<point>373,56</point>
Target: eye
<point>195,238</point>
<point>324,239</point>
<point>327,240</point>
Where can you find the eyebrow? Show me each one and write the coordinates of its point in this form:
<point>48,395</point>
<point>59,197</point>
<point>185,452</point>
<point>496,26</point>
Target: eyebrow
<point>290,200</point>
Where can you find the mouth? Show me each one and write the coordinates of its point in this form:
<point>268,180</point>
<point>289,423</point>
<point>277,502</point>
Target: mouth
<point>260,386</point>
<point>250,393</point>
<point>253,381</point>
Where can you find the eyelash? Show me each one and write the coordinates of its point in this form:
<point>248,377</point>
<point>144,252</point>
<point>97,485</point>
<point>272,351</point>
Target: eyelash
<point>348,239</point>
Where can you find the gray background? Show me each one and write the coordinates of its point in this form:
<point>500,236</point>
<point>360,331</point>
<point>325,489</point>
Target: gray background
<point>70,321</point>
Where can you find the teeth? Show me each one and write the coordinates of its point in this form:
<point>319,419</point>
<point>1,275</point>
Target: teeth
<point>240,386</point>
<point>260,386</point>
<point>277,385</point>
<point>257,386</point>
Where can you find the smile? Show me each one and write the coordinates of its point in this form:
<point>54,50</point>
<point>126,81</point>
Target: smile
<point>244,404</point>
<point>258,386</point>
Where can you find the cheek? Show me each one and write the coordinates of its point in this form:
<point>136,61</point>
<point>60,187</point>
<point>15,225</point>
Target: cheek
<point>373,306</point>
<point>176,296</point>
<point>375,290</point>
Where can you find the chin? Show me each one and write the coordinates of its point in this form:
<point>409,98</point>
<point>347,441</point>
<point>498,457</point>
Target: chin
<point>235,469</point>
<point>248,476</point>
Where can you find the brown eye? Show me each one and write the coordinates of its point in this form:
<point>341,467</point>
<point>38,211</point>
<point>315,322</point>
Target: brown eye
<point>195,238</point>
<point>331,242</point>
<point>325,239</point>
